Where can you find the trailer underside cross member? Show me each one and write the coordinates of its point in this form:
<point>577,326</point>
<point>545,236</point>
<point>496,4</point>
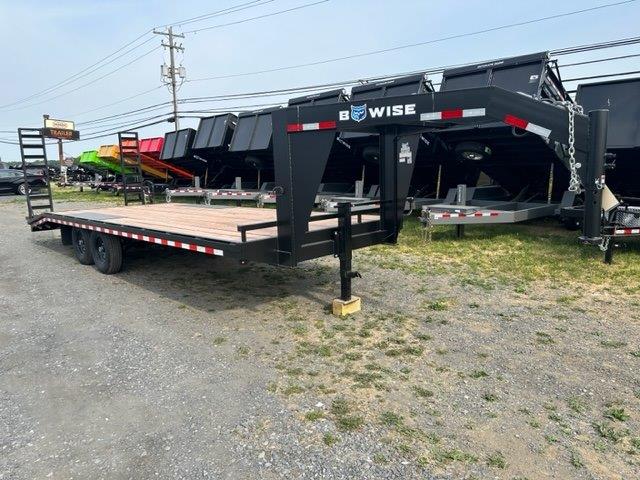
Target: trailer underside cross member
<point>303,137</point>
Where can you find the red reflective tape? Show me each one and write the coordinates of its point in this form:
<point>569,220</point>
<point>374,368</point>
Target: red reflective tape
<point>294,127</point>
<point>329,124</point>
<point>447,114</point>
<point>515,121</point>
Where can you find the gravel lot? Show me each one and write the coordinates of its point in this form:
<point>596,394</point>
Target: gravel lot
<point>186,366</point>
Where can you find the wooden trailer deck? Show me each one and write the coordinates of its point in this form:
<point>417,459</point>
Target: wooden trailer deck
<point>206,222</point>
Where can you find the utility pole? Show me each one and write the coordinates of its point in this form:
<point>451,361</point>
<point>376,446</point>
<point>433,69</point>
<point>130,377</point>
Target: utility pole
<point>170,72</point>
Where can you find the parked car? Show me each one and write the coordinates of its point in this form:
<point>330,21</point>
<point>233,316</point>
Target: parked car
<point>13,181</point>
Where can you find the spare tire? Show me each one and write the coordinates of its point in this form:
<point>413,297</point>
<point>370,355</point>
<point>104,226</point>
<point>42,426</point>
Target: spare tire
<point>474,151</point>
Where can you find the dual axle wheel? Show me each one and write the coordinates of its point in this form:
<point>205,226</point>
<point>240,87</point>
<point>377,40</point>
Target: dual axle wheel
<point>98,249</point>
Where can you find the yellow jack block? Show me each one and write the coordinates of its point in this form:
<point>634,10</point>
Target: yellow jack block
<point>342,308</point>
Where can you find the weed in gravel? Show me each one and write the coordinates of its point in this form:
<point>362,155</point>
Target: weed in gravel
<point>635,442</point>
<point>293,390</point>
<point>330,439</point>
<point>379,459</point>
<point>314,415</point>
<point>404,449</point>
<point>423,336</point>
<point>349,423</point>
<point>294,372</point>
<point>353,356</point>
<point>391,419</point>
<point>543,338</point>
<point>616,413</point>
<point>243,350</point>
<point>489,397</point>
<point>534,423</point>
<point>272,387</point>
<point>608,432</point>
<point>613,343</point>
<point>219,340</point>
<point>575,459</point>
<point>551,439</point>
<point>438,305</point>
<point>300,329</point>
<point>441,351</point>
<point>340,406</point>
<point>453,455</point>
<point>366,379</point>
<point>496,459</point>
<point>422,392</point>
<point>635,353</point>
<point>577,404</point>
<point>478,374</point>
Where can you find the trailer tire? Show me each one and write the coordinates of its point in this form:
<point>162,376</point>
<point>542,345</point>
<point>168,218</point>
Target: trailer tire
<point>107,253</point>
<point>80,239</point>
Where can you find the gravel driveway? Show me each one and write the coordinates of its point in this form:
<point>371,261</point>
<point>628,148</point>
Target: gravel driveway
<point>186,366</point>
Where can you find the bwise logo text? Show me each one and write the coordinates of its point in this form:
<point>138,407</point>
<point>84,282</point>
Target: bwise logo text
<point>360,112</point>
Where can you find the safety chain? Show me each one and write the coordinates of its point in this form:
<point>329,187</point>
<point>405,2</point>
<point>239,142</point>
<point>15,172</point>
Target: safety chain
<point>574,178</point>
<point>604,245</point>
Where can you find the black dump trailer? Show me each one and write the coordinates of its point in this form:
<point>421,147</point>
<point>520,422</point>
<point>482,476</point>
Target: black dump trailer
<point>303,138</point>
<point>532,177</point>
<point>621,214</point>
<point>622,99</point>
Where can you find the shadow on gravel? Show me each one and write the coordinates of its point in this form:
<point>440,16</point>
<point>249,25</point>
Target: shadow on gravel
<point>215,284</point>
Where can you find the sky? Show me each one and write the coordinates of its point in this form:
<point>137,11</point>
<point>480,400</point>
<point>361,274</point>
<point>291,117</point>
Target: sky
<point>44,43</point>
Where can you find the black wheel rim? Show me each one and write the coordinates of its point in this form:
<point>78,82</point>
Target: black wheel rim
<point>101,250</point>
<point>82,247</point>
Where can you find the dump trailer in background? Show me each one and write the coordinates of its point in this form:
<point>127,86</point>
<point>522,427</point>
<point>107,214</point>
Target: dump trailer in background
<point>515,155</point>
<point>620,216</point>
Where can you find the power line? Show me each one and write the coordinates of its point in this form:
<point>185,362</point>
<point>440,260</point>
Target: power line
<point>72,77</point>
<point>600,60</point>
<point>117,102</point>
<point>620,74</point>
<point>100,63</point>
<point>88,83</point>
<point>299,7</point>
<point>226,11</point>
<point>418,44</point>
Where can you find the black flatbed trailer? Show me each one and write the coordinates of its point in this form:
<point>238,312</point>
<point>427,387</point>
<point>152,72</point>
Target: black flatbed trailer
<point>302,139</point>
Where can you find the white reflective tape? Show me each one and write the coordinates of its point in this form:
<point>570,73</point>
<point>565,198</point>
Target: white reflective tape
<point>200,249</point>
<point>474,112</point>
<point>217,252</point>
<point>310,126</point>
<point>425,117</point>
<point>538,130</point>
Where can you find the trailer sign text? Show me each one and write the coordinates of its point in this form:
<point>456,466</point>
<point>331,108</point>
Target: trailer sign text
<point>359,112</point>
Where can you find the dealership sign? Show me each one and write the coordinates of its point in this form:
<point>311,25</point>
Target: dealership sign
<point>62,129</point>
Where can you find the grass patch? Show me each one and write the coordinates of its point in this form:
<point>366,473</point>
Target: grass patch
<point>613,343</point>
<point>577,405</point>
<point>391,419</point>
<point>608,432</point>
<point>516,254</point>
<point>314,415</point>
<point>489,397</point>
<point>330,439</point>
<point>478,374</point>
<point>543,338</point>
<point>349,423</point>
<point>438,305</point>
<point>454,455</point>
<point>422,392</point>
<point>219,340</point>
<point>496,460</point>
<point>616,413</point>
<point>293,390</point>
